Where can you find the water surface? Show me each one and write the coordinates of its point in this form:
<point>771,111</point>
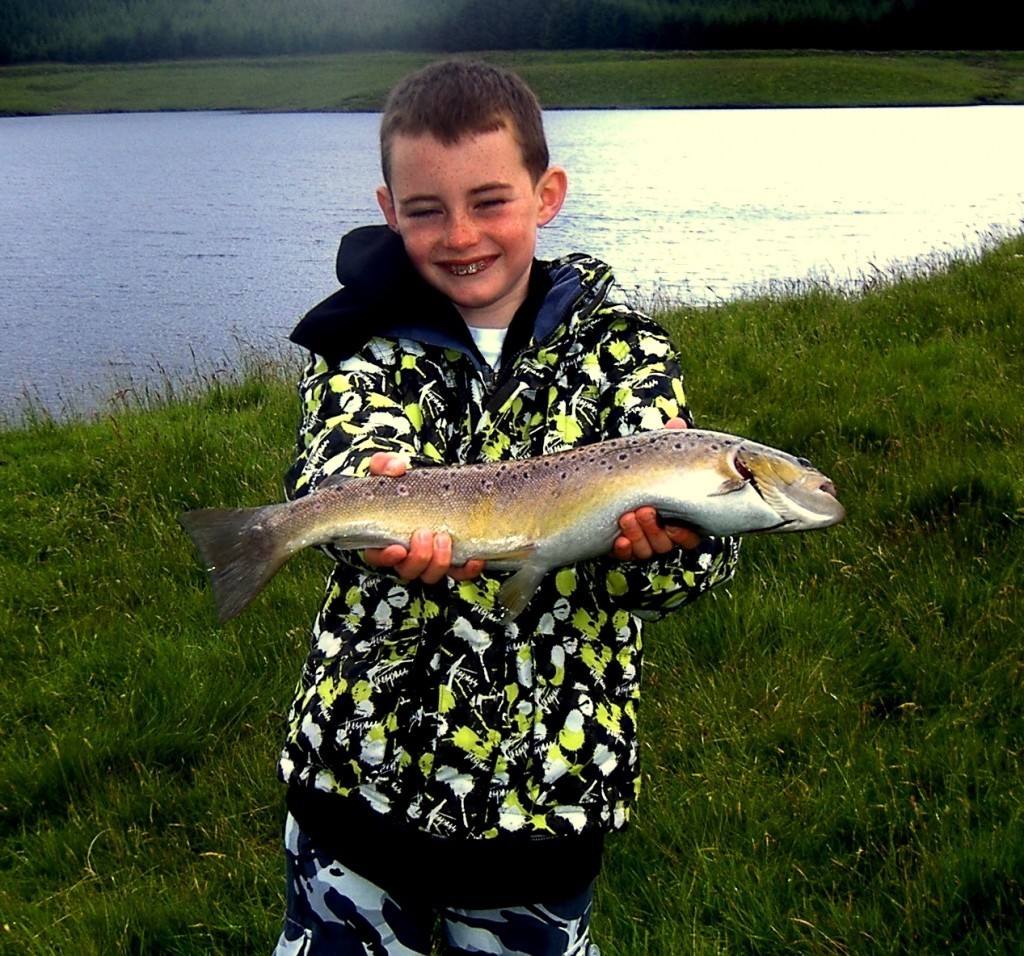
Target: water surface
<point>136,248</point>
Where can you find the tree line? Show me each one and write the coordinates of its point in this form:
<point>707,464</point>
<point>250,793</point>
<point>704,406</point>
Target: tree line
<point>77,31</point>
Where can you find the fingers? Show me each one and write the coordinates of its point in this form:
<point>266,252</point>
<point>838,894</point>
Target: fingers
<point>643,536</point>
<point>428,557</point>
<point>388,463</point>
<point>386,557</point>
<point>683,537</point>
<point>467,571</point>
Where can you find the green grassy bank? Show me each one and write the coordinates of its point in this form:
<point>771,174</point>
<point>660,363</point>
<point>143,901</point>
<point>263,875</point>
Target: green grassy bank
<point>833,748</point>
<point>562,79</point>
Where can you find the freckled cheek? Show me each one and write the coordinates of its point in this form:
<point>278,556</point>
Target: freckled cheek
<point>510,236</point>
<point>418,244</point>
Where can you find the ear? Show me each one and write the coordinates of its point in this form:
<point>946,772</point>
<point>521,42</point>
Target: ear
<point>551,190</point>
<point>387,206</point>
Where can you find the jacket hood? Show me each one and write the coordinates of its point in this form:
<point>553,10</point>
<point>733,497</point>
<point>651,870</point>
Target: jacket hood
<point>380,290</point>
<point>382,294</point>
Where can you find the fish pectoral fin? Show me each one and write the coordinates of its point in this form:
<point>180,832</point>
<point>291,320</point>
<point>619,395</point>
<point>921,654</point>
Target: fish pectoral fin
<point>516,592</point>
<point>728,486</point>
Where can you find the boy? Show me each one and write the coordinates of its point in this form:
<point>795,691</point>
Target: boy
<point>444,767</point>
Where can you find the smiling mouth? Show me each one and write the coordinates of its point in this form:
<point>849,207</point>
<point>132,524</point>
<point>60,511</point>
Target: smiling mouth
<point>468,268</point>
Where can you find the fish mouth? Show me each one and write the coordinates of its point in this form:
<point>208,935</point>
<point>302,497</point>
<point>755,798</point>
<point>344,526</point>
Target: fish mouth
<point>806,499</point>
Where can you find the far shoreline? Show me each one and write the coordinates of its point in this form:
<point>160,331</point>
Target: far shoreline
<point>358,82</point>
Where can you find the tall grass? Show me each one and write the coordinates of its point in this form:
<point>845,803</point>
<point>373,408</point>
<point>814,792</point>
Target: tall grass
<point>832,748</point>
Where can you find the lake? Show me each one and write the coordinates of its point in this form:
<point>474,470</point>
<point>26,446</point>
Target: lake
<point>137,248</point>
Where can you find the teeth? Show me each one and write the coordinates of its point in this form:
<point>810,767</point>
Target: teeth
<point>468,270</point>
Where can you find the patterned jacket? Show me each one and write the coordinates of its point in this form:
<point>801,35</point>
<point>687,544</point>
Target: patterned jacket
<point>420,700</point>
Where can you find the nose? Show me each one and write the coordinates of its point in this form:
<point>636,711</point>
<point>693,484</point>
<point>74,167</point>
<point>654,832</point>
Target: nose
<point>461,233</point>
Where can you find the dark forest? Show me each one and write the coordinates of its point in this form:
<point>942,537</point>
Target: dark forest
<point>95,31</point>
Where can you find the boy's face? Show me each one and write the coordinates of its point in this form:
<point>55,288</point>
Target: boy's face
<point>468,214</point>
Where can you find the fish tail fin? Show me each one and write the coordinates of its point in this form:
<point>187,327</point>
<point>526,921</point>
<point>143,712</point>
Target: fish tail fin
<point>239,559</point>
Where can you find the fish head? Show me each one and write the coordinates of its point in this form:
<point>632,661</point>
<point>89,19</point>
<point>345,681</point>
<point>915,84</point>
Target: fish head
<point>802,497</point>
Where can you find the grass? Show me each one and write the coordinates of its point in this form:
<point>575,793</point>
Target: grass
<point>832,748</point>
<point>360,81</point>
<point>835,749</point>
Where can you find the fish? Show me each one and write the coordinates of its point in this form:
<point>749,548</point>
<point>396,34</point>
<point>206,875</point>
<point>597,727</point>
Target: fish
<point>529,515</point>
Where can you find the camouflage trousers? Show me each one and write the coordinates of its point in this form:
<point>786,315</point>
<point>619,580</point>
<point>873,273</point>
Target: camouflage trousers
<point>332,911</point>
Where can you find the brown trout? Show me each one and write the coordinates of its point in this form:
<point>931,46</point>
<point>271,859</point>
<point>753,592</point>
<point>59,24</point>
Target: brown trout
<point>530,515</point>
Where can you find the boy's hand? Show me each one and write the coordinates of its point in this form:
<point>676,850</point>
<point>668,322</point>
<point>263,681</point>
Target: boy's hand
<point>643,533</point>
<point>428,556</point>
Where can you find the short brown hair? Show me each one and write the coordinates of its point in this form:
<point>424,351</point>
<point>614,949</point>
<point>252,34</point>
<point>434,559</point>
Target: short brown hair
<point>454,98</point>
